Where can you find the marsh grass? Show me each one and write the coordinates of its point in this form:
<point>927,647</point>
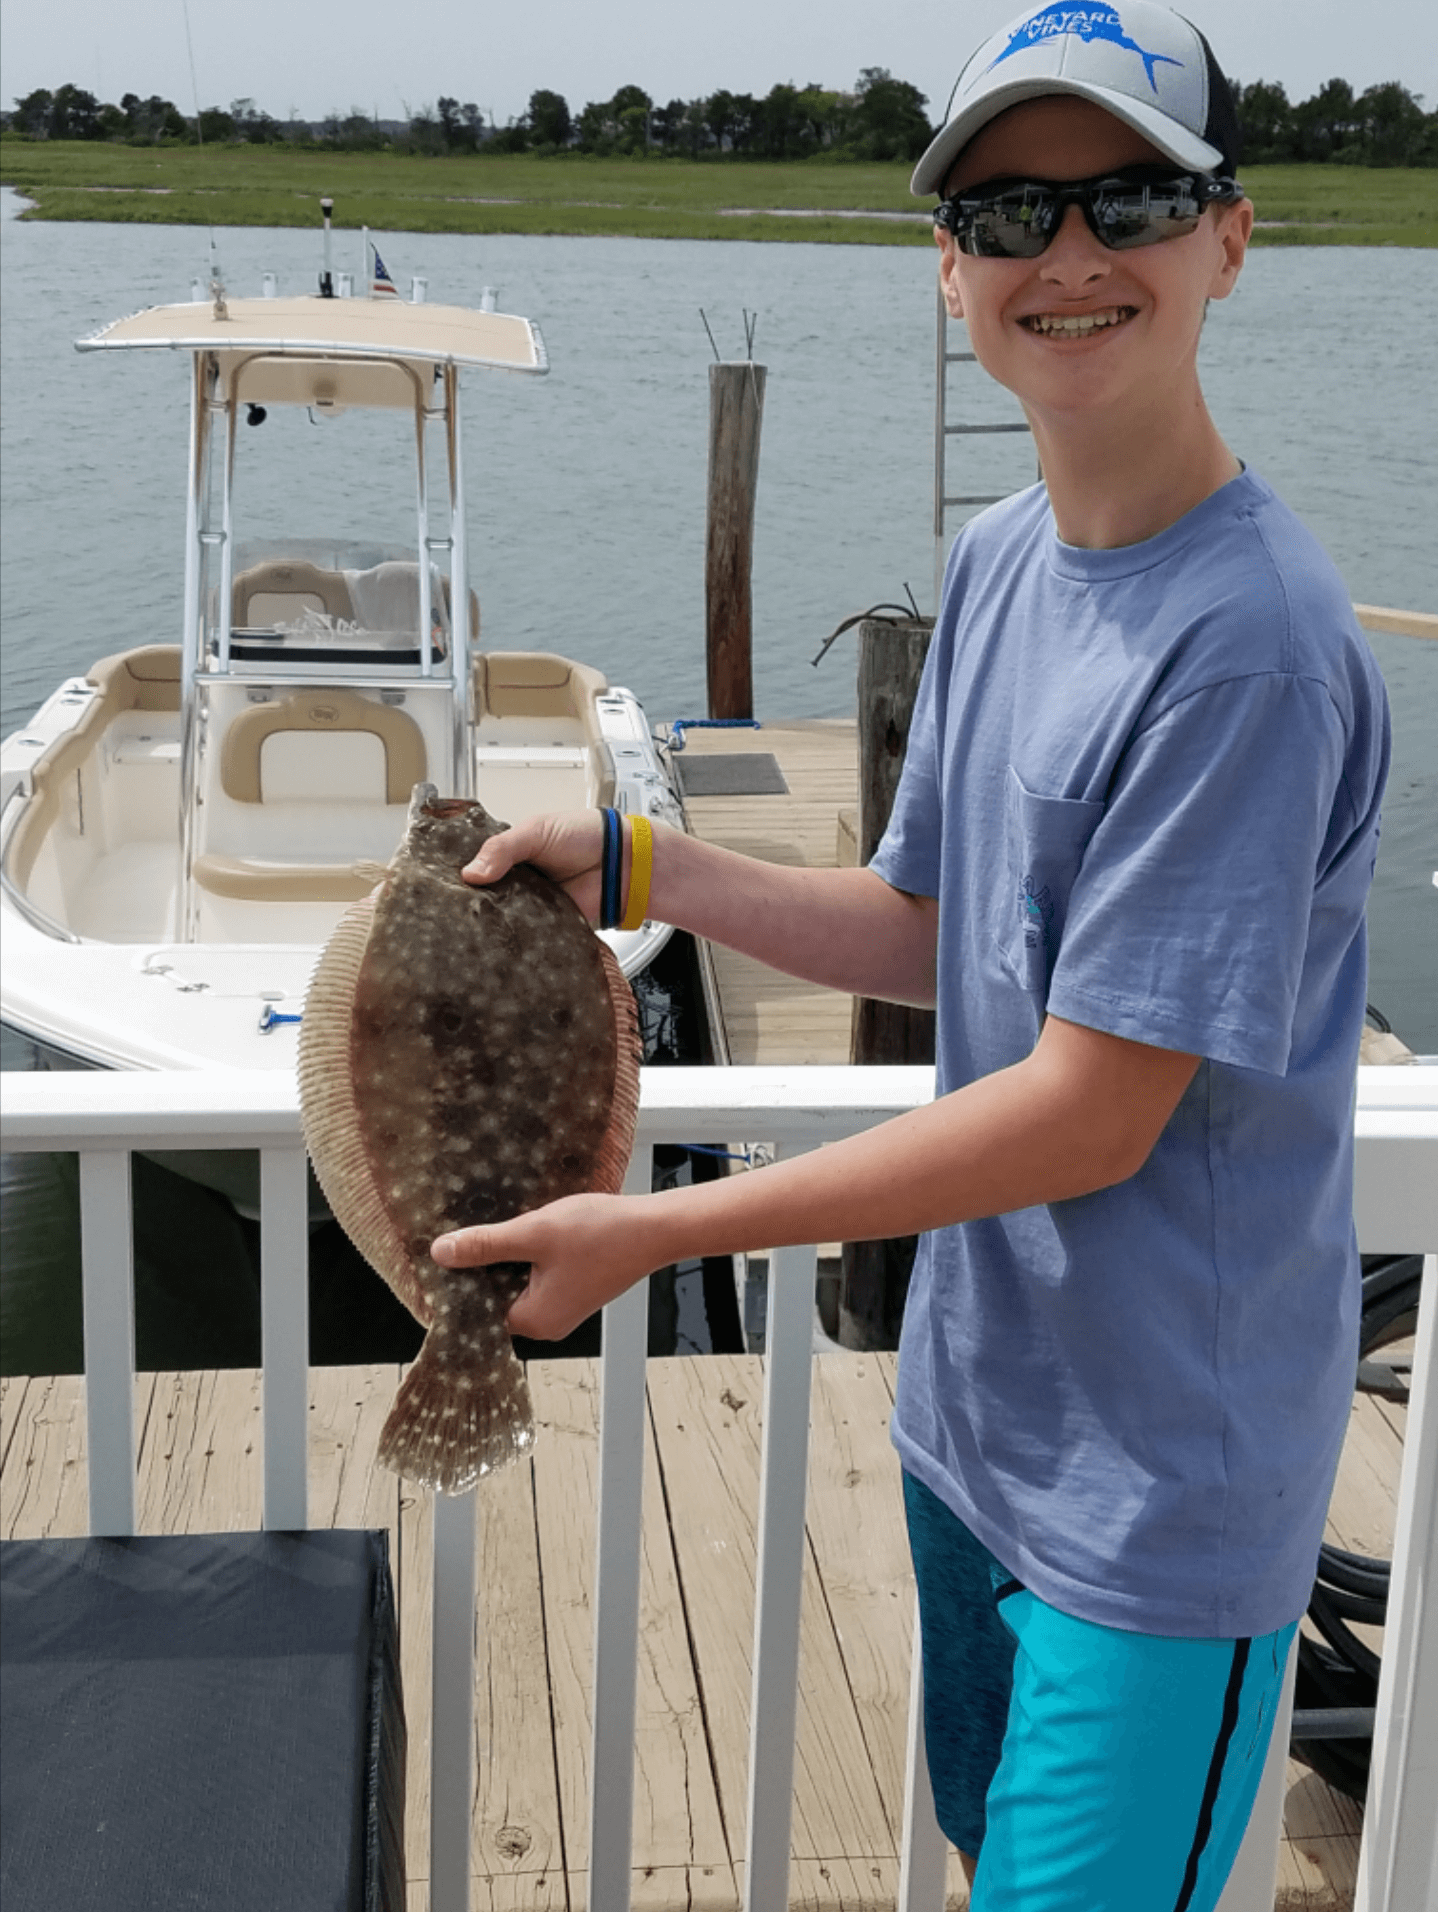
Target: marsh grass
<point>642,198</point>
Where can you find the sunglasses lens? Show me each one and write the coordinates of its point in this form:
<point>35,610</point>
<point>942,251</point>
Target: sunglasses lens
<point>1129,216</point>
<point>1011,225</point>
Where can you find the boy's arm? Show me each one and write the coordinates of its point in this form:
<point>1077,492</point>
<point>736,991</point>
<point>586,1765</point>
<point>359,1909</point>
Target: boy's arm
<point>1079,1114</point>
<point>845,929</point>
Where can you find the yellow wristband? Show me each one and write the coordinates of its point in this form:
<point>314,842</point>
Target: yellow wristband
<point>641,865</point>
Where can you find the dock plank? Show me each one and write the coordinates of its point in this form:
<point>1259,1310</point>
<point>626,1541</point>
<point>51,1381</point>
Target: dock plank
<point>44,1493</point>
<point>708,1414</point>
<point>769,1018</point>
<point>200,1461</point>
<point>678,1830</point>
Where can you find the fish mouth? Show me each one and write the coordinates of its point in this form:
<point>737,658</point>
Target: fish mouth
<point>1077,325</point>
<point>425,801</point>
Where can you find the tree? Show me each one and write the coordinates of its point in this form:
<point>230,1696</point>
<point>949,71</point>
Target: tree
<point>1391,125</point>
<point>548,117</point>
<point>32,114</point>
<point>890,122</point>
<point>1265,122</point>
<point>216,126</point>
<point>718,111</point>
<point>74,114</point>
<point>1325,125</point>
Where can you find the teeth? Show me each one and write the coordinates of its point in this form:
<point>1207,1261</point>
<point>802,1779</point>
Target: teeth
<point>1078,325</point>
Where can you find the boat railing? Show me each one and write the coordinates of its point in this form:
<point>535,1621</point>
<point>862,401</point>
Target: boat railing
<point>104,1117</point>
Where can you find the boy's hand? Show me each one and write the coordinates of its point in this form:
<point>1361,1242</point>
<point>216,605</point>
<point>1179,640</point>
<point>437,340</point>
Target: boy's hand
<point>583,1251</point>
<point>566,845</point>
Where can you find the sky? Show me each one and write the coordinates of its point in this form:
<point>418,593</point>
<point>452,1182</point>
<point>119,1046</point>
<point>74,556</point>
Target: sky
<point>313,57</point>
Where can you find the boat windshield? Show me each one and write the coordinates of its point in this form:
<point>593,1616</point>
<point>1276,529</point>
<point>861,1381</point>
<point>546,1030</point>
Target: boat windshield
<point>350,589</point>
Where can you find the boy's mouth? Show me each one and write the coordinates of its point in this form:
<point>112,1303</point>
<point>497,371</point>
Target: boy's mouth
<point>1076,325</point>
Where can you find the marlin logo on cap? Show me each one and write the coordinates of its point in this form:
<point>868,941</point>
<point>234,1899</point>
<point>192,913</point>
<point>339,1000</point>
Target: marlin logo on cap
<point>1089,23</point>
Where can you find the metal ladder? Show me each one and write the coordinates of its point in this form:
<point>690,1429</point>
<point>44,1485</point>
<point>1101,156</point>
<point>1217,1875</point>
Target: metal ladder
<point>944,500</point>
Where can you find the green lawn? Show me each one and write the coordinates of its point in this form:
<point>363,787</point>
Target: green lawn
<point>650,199</point>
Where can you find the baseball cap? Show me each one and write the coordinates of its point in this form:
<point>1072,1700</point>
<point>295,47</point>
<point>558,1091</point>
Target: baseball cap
<point>1143,63</point>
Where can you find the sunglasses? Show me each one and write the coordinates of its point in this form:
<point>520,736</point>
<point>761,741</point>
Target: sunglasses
<point>1136,206</point>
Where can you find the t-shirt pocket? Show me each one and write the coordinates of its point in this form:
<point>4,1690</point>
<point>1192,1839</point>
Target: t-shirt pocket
<point>1044,841</point>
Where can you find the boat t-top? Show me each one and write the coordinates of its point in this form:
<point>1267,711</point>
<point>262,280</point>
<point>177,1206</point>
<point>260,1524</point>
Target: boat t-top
<point>183,826</point>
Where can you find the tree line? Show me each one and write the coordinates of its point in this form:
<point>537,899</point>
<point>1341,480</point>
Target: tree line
<point>881,118</point>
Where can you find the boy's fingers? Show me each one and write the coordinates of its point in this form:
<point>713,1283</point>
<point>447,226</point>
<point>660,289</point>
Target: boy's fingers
<point>477,1247</point>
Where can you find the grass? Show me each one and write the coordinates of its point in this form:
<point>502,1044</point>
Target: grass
<point>647,199</point>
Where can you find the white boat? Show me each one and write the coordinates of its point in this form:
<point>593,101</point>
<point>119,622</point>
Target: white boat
<point>183,825</point>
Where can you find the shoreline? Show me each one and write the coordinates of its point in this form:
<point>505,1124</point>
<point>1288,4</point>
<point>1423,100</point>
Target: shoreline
<point>795,202</point>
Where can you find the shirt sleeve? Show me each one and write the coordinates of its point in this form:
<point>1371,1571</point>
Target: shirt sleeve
<point>1189,921</point>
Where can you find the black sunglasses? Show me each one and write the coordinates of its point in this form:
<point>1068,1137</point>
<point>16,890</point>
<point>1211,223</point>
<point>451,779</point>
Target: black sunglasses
<point>1136,206</point>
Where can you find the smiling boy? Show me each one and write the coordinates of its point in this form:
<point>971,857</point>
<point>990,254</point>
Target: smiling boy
<point>1128,862</point>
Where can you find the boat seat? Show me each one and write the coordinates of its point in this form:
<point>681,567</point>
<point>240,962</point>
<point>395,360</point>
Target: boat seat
<point>326,712</point>
<point>143,679</point>
<point>535,684</point>
<point>261,880</point>
<point>282,590</point>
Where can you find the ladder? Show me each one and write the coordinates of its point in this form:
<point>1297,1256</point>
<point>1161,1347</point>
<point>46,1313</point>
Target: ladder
<point>944,500</point>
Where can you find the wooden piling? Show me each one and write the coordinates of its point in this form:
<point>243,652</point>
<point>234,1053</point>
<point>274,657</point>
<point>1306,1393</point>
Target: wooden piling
<point>736,412</point>
<point>875,1274</point>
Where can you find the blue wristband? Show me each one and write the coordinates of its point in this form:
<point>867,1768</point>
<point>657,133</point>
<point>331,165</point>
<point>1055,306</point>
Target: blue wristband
<point>610,903</point>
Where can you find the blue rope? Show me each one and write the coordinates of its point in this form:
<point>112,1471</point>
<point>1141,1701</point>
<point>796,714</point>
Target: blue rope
<point>681,724</point>
<point>723,1155</point>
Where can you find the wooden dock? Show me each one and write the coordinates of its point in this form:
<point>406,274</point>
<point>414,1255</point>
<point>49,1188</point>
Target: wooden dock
<point>199,1471</point>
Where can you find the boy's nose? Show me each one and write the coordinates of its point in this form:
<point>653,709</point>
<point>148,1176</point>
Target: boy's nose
<point>1074,256</point>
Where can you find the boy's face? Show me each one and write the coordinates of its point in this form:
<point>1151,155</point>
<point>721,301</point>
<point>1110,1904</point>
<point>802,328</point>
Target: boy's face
<point>1152,296</point>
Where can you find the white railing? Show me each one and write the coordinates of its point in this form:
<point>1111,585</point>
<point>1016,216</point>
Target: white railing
<point>103,1117</point>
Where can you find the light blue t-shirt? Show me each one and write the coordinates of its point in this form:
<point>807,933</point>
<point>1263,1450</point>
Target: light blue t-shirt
<point>1144,785</point>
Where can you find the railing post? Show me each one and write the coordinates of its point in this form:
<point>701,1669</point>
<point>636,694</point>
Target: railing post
<point>451,1785</point>
<point>924,1854</point>
<point>779,1575</point>
<point>285,1335</point>
<point>617,1563</point>
<point>1398,1860</point>
<point>107,1274</point>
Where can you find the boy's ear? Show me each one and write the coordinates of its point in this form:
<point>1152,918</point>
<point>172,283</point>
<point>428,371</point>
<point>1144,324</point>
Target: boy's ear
<point>949,272</point>
<point>1235,225</point>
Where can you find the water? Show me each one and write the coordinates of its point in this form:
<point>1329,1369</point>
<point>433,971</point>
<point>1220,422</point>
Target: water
<point>587,488</point>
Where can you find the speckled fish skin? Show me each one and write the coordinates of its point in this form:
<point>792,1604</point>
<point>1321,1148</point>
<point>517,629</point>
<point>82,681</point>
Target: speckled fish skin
<point>467,1054</point>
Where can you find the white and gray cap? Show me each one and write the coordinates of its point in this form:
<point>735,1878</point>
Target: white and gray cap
<point>1141,62</point>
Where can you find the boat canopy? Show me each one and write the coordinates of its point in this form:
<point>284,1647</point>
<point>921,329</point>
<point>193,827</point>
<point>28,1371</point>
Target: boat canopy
<point>345,328</point>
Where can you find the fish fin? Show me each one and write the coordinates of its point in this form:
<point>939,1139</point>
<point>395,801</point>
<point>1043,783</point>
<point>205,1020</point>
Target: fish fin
<point>333,1131</point>
<point>618,1145</point>
<point>463,1409</point>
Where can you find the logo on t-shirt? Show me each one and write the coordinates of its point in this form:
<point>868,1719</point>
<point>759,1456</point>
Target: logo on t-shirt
<point>1036,908</point>
<point>1088,23</point>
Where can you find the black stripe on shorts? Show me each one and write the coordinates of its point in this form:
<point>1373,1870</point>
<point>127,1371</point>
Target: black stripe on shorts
<point>1227,1724</point>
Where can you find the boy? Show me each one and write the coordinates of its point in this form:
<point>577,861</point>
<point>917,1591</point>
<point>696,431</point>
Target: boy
<point>1128,862</point>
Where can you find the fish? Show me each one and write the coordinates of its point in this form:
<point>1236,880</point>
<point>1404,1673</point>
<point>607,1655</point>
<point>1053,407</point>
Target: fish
<point>467,1053</point>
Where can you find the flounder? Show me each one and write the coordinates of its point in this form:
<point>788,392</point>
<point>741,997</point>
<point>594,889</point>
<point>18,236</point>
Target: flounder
<point>467,1053</point>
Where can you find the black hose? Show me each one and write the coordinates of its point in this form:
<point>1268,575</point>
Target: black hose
<point>1337,1678</point>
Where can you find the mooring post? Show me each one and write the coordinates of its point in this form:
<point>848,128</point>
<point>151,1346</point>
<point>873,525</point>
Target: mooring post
<point>736,412</point>
<point>875,1274</point>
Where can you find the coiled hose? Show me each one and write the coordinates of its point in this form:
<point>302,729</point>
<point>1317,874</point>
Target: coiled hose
<point>1336,1689</point>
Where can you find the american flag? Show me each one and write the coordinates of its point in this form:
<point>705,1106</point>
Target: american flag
<point>381,285</point>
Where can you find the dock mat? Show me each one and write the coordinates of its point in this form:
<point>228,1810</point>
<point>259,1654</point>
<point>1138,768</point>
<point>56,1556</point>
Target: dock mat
<point>739,773</point>
<point>201,1720</point>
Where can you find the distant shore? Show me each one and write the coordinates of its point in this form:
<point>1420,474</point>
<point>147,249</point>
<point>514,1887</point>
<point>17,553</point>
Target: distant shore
<point>810,201</point>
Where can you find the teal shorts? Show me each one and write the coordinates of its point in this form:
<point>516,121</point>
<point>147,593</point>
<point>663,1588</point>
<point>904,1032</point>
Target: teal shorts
<point>1087,1769</point>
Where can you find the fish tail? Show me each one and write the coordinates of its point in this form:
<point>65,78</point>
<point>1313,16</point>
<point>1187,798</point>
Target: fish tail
<point>463,1409</point>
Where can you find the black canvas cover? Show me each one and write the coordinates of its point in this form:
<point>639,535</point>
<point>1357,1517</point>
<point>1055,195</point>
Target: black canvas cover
<point>201,1721</point>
